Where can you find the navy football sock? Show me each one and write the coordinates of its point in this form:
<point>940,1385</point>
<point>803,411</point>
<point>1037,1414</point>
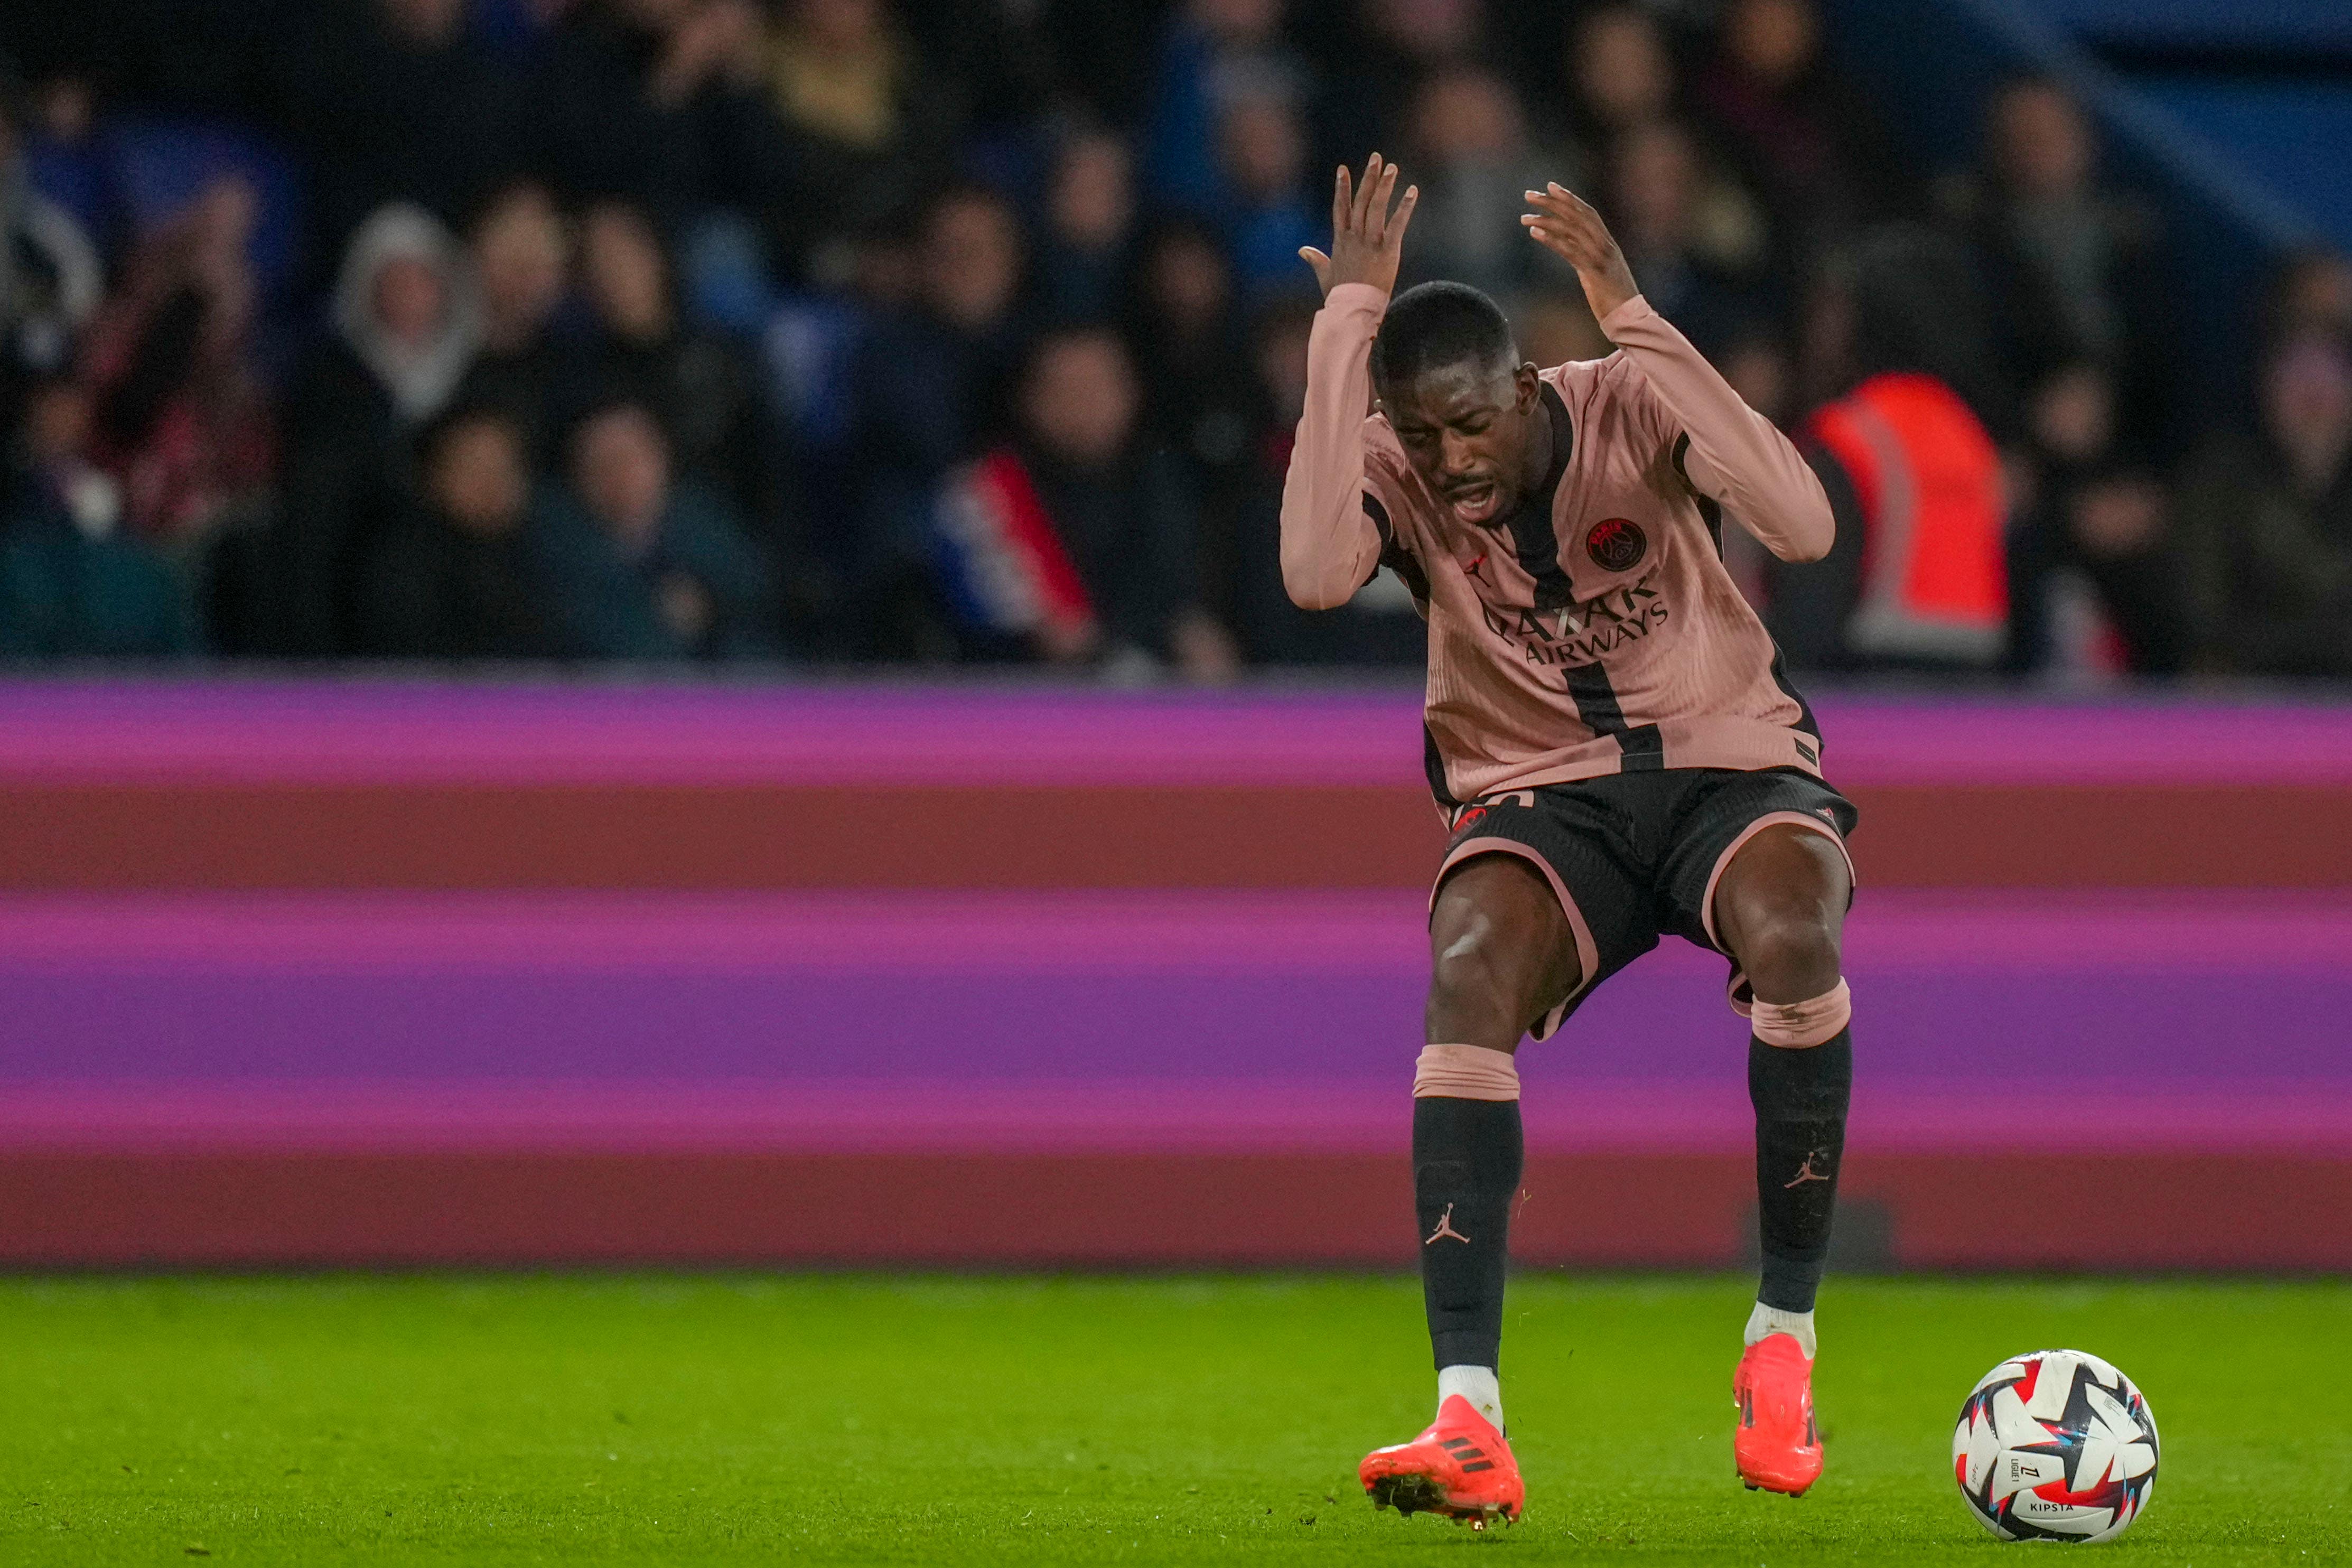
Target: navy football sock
<point>1466,1159</point>
<point>1800,1098</point>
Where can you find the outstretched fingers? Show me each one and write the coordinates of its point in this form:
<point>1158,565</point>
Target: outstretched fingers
<point>1376,213</point>
<point>1404,213</point>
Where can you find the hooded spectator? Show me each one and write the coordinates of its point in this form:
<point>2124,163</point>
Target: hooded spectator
<point>459,575</point>
<point>182,420</point>
<point>406,311</point>
<point>2266,524</point>
<point>50,277</point>
<point>407,325</point>
<point>645,565</point>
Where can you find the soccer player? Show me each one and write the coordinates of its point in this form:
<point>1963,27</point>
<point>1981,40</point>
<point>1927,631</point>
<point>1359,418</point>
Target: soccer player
<point>1615,749</point>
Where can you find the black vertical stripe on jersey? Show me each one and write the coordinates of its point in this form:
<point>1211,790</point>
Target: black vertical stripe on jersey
<point>1434,765</point>
<point>1533,538</point>
<point>1710,510</point>
<point>1644,747</point>
<point>1805,719</point>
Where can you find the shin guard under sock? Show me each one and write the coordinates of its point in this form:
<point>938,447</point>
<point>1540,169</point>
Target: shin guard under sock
<point>1467,1156</point>
<point>1800,1098</point>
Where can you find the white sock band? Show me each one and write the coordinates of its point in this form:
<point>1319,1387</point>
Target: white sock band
<point>1765,1321</point>
<point>1797,1024</point>
<point>1478,1385</point>
<point>1465,1072</point>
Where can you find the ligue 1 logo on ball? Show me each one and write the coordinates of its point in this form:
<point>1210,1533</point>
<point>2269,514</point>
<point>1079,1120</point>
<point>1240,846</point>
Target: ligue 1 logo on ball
<point>1616,544</point>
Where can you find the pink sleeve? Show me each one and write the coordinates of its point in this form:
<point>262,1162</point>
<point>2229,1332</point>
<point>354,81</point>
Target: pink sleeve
<point>1329,545</point>
<point>1736,456</point>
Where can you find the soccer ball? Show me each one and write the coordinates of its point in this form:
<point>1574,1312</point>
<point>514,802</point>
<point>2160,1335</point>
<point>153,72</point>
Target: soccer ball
<point>2055,1446</point>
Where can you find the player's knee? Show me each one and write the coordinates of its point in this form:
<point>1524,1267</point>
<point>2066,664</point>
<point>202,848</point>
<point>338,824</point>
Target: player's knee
<point>1790,952</point>
<point>1475,991</point>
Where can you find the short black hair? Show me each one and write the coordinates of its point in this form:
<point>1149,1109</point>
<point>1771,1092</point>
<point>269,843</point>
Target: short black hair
<point>1432,326</point>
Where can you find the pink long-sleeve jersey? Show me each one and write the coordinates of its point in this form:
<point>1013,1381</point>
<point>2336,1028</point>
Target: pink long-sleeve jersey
<point>1596,631</point>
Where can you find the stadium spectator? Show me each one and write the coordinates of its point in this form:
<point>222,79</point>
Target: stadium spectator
<point>65,158</point>
<point>2311,293</point>
<point>1089,229</point>
<point>407,325</point>
<point>870,128</point>
<point>1800,134</point>
<point>1620,74</point>
<point>1379,626</point>
<point>50,279</point>
<point>1916,578</point>
<point>1075,543</point>
<point>662,101</point>
<point>1472,159</point>
<point>71,586</point>
<point>645,565</point>
<point>931,385</point>
<point>2094,586</point>
<point>2266,524</point>
<point>702,386</point>
<point>521,252</point>
<point>1207,50</point>
<point>1262,135</point>
<point>1185,334</point>
<point>394,101</point>
<point>458,576</point>
<point>1696,244</point>
<point>181,419</point>
<point>1376,57</point>
<point>2067,261</point>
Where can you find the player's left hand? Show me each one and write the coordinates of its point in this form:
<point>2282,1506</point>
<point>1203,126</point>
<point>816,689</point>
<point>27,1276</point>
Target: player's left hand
<point>1565,223</point>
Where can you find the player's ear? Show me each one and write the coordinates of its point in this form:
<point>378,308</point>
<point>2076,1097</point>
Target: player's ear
<point>1530,385</point>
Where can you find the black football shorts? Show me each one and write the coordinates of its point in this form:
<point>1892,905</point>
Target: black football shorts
<point>1635,855</point>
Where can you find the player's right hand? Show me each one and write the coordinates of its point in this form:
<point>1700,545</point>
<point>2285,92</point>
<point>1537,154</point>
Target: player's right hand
<point>1367,237</point>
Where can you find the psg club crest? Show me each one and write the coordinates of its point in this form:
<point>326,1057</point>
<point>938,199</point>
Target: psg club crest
<point>1616,544</point>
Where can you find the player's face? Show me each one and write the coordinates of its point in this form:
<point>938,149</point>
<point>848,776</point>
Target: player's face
<point>1467,427</point>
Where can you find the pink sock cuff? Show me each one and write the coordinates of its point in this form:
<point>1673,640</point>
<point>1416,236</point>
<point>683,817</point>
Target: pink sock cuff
<point>1465,1072</point>
<point>1796,1025</point>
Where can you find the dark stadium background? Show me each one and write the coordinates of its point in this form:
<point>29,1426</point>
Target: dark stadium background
<point>401,863</point>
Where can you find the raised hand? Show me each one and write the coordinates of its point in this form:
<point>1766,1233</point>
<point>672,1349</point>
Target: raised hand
<point>1367,237</point>
<point>1565,223</point>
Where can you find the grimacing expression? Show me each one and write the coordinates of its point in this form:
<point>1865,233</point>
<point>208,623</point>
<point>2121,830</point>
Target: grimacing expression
<point>1467,427</point>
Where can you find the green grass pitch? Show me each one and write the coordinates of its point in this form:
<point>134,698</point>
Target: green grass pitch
<point>668,1419</point>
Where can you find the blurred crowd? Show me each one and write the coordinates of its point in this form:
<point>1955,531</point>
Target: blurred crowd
<point>935,332</point>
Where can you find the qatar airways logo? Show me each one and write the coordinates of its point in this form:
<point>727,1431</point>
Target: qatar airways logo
<point>1583,633</point>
